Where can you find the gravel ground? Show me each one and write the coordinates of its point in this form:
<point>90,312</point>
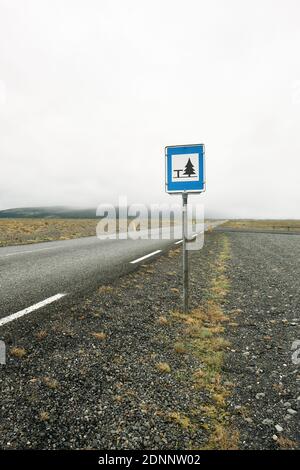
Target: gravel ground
<point>265,287</point>
<point>89,377</point>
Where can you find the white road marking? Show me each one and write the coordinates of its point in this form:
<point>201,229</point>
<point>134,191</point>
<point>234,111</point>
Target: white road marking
<point>27,310</point>
<point>146,256</point>
<point>180,241</point>
<point>30,251</point>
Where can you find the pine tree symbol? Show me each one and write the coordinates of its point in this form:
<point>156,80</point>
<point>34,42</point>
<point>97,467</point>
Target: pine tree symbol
<point>189,168</point>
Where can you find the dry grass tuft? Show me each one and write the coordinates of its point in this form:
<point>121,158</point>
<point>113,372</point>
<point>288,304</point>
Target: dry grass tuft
<point>198,374</point>
<point>50,382</point>
<point>162,320</point>
<point>180,419</point>
<point>99,335</point>
<point>174,252</point>
<point>119,398</point>
<point>190,320</point>
<point>180,348</point>
<point>163,367</point>
<point>175,290</point>
<point>214,313</point>
<point>223,438</point>
<point>19,353</point>
<point>42,334</point>
<point>286,443</point>
<point>44,416</point>
<point>219,398</point>
<point>148,270</point>
<point>106,290</point>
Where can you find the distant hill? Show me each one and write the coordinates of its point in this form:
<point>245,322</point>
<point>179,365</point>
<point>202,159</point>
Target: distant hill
<point>55,212</point>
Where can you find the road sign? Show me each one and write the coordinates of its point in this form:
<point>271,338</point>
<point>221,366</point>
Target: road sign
<point>185,173</point>
<point>185,168</point>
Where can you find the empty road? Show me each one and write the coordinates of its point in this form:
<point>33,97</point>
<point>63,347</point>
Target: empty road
<point>31,274</point>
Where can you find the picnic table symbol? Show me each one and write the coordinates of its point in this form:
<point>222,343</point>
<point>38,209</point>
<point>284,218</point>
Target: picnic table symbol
<point>188,171</point>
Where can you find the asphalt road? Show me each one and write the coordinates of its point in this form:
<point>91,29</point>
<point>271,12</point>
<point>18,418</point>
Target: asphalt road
<point>30,274</point>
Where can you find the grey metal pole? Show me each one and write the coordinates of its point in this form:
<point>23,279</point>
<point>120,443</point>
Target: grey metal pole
<point>185,261</point>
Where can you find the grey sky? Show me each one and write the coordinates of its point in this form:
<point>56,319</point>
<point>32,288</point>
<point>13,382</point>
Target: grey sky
<point>92,91</point>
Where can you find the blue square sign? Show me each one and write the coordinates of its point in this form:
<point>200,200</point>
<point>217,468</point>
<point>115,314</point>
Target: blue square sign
<point>185,169</point>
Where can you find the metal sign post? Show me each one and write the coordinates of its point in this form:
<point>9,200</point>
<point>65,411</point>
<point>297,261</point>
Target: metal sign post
<point>185,173</point>
<point>185,259</point>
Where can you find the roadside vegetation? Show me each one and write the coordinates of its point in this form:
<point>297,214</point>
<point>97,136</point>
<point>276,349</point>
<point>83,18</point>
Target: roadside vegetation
<point>25,231</point>
<point>203,337</point>
<point>20,231</point>
<point>276,225</point>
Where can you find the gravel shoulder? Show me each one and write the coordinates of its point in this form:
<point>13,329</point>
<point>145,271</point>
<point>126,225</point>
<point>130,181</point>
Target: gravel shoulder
<point>264,272</point>
<point>124,369</point>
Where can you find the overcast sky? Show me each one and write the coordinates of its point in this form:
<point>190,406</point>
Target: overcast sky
<point>91,91</point>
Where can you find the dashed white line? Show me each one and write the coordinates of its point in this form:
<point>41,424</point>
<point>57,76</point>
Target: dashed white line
<point>146,256</point>
<point>180,241</point>
<point>27,310</point>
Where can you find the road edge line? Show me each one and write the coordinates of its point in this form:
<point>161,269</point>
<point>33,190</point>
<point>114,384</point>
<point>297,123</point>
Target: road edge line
<point>30,309</point>
<point>146,256</point>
